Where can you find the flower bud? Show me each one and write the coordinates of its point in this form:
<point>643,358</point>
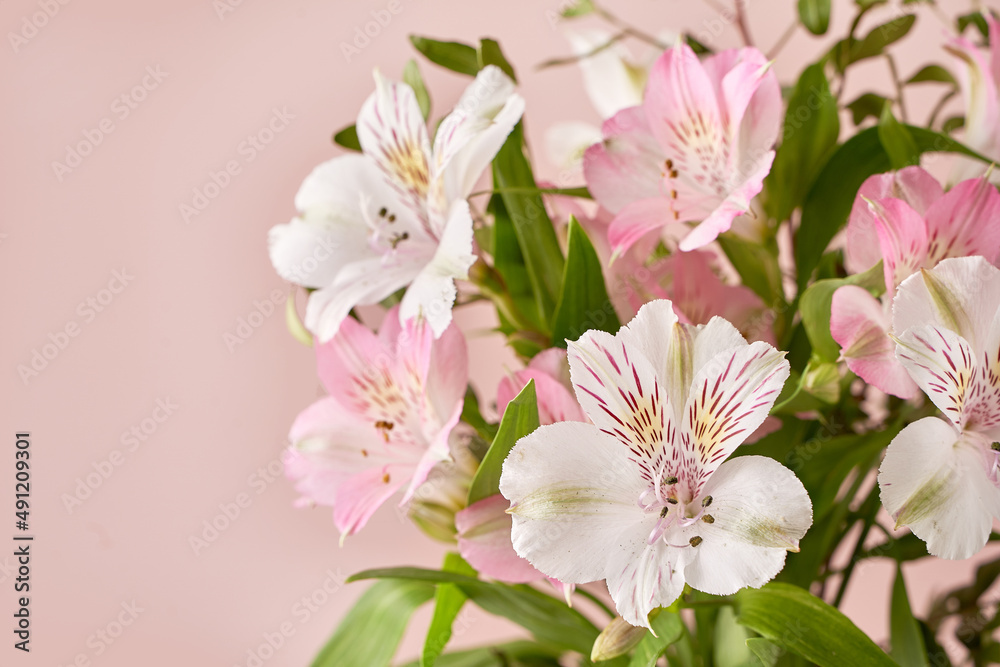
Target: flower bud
<point>617,638</point>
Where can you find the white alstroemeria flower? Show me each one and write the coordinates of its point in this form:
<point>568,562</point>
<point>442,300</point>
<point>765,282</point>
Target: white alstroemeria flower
<point>395,215</point>
<point>642,497</point>
<point>940,476</point>
<point>613,78</point>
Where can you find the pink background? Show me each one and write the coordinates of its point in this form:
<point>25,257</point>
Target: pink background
<point>163,336</point>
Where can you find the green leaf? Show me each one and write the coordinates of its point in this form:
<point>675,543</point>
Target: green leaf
<point>809,137</point>
<point>905,548</point>
<point>669,627</point>
<point>906,638</point>
<point>874,43</point>
<point>472,416</point>
<point>766,652</point>
<point>868,105</point>
<point>952,124</point>
<point>490,54</point>
<point>513,654</point>
<point>520,418</point>
<point>934,73</point>
<point>815,308</point>
<point>412,78</point>
<point>757,264</point>
<point>456,56</point>
<point>387,606</point>
<point>448,602</point>
<point>897,141</point>
<point>583,302</point>
<point>696,46</point>
<point>508,260</point>
<point>815,15</point>
<point>547,618</point>
<point>579,8</point>
<point>535,233</point>
<point>975,18</point>
<point>729,646</point>
<point>805,625</point>
<point>348,138</point>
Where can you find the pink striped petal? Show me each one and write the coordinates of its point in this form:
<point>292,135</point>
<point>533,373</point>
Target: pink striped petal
<point>965,221</point>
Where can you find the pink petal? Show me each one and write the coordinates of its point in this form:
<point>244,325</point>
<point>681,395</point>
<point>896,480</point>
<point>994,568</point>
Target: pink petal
<point>860,326</point>
<point>902,236</point>
<point>913,185</point>
<point>627,165</point>
<point>638,219</point>
<point>484,541</point>
<point>351,362</point>
<point>362,494</point>
<point>556,403</point>
<point>965,221</point>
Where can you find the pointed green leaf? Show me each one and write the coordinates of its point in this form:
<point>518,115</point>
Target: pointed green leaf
<point>757,265</point>
<point>548,619</point>
<point>512,654</point>
<point>815,15</point>
<point>348,138</point>
<point>932,73</point>
<point>412,78</point>
<point>456,56</point>
<point>509,262</point>
<point>448,602</point>
<point>874,43</point>
<point>868,105</point>
<point>520,418</point>
<point>578,8</point>
<point>490,54</point>
<point>535,233</point>
<point>809,136</point>
<point>583,303</point>
<point>801,623</point>
<point>472,416</point>
<point>906,638</point>
<point>766,652</point>
<point>387,606</point>
<point>897,141</point>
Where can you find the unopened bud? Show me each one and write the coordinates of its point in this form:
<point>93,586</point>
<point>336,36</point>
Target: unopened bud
<point>618,638</point>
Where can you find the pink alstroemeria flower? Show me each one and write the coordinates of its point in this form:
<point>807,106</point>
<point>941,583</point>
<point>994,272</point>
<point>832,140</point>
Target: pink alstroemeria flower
<point>908,221</point>
<point>644,496</point>
<point>980,83</point>
<point>396,215</point>
<point>484,527</point>
<point>394,399</point>
<point>941,477</point>
<point>697,149</point>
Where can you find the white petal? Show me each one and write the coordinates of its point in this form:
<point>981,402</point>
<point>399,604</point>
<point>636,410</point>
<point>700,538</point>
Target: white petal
<point>934,481</point>
<point>612,82</point>
<point>618,389</point>
<point>730,398</point>
<point>566,143</point>
<point>574,498</point>
<point>362,283</point>
<point>760,511</point>
<point>942,364</point>
<point>392,133</point>
<point>961,294</point>
<point>311,252</point>
<point>470,136</point>
<point>433,291</point>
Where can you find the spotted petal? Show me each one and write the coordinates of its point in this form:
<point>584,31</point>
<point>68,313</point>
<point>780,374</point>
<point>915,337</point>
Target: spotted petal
<point>933,480</point>
<point>730,398</point>
<point>392,133</point>
<point>965,221</point>
<point>760,510</point>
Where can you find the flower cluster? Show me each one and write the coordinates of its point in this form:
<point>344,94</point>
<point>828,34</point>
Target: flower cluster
<point>690,323</point>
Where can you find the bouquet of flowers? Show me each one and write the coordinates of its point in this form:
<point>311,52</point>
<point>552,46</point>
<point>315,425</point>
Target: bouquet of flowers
<point>755,335</point>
